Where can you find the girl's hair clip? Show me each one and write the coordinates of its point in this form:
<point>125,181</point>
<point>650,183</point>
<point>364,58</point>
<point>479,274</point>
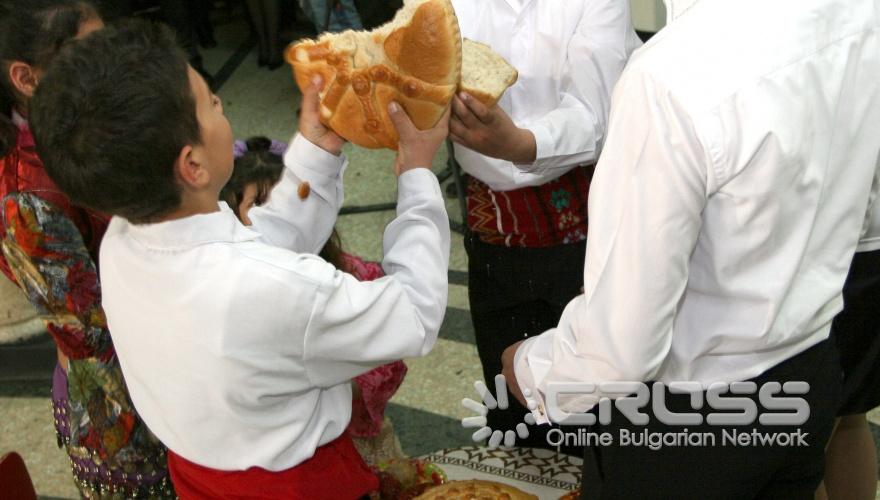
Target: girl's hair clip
<point>239,148</point>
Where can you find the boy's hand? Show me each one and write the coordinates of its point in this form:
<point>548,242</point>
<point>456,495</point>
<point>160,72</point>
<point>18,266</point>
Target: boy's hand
<point>310,125</point>
<point>490,131</point>
<point>416,148</point>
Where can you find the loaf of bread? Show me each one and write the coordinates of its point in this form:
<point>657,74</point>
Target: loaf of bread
<point>484,74</point>
<point>475,488</point>
<point>415,59</point>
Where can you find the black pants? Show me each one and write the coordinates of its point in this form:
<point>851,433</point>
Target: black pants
<point>856,331</point>
<point>723,471</point>
<point>516,293</point>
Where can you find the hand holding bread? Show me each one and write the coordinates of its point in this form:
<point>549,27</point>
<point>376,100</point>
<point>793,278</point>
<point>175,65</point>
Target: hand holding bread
<point>417,60</point>
<point>416,148</point>
<point>414,60</point>
<point>489,131</point>
<point>310,125</point>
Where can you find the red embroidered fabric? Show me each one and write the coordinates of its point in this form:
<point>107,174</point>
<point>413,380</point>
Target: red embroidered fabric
<point>552,214</point>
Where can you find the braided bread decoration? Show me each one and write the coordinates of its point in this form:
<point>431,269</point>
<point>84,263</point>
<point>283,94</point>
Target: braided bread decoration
<point>415,60</point>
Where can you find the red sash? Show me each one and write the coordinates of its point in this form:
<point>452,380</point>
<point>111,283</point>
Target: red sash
<point>552,214</point>
<point>335,472</point>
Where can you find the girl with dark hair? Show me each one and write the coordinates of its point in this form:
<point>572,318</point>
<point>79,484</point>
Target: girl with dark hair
<point>258,167</point>
<point>49,249</point>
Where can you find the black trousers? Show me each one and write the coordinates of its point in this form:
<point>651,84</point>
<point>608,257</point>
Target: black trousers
<point>856,331</point>
<point>723,471</point>
<point>516,293</point>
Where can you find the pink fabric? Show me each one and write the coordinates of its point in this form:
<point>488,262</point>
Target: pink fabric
<point>379,384</point>
<point>361,269</point>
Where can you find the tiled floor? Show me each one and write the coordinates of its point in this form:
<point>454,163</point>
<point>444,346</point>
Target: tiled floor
<point>427,407</point>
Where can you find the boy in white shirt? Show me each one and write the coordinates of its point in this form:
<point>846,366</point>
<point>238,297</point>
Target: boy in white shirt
<point>237,344</point>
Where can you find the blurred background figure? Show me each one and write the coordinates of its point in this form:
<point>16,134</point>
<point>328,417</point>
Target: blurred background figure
<point>265,18</point>
<point>191,22</point>
<point>332,15</point>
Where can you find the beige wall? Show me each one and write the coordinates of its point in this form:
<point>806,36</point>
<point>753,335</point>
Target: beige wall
<point>648,15</point>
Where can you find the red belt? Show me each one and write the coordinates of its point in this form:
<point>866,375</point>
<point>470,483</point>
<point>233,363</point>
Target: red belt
<point>335,472</point>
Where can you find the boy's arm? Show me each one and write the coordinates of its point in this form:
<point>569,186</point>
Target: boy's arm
<point>302,207</point>
<point>544,147</point>
<point>359,325</point>
<point>300,224</point>
<point>574,132</point>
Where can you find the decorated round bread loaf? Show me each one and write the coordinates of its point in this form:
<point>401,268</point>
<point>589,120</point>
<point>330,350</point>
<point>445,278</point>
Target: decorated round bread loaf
<point>475,489</point>
<point>415,59</point>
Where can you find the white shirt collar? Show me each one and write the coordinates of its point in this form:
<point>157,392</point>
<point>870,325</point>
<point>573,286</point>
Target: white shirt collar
<point>675,8</point>
<point>220,226</point>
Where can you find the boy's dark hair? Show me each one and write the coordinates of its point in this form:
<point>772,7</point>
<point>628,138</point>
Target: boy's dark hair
<point>111,116</point>
<point>32,31</point>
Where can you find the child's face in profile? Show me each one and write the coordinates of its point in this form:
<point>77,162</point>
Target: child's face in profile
<point>216,146</point>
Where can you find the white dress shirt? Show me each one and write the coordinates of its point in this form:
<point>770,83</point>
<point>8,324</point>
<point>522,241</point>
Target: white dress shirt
<point>729,198</point>
<point>568,55</point>
<point>238,346</point>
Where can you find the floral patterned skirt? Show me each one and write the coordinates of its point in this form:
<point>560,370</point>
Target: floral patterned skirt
<point>94,477</point>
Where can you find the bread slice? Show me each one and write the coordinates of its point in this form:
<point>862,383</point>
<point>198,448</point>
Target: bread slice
<point>415,59</point>
<point>484,74</point>
<point>475,488</point>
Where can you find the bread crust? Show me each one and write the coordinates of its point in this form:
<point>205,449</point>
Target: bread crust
<point>420,70</point>
<point>475,488</point>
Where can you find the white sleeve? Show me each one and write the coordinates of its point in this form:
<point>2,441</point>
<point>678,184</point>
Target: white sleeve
<point>572,134</point>
<point>645,204</point>
<point>356,326</point>
<point>302,225</point>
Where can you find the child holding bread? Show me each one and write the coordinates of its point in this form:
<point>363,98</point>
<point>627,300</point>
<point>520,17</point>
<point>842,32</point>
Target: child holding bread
<point>530,160</point>
<point>259,164</point>
<point>238,344</point>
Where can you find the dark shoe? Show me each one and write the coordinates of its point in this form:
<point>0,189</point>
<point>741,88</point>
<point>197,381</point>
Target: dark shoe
<point>262,61</point>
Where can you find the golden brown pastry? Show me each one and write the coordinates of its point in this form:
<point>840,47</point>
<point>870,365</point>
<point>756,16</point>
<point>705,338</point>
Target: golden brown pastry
<point>415,59</point>
<point>475,489</point>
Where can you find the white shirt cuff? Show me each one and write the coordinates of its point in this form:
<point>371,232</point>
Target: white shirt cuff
<point>543,147</point>
<point>416,182</point>
<point>304,154</point>
<point>531,363</point>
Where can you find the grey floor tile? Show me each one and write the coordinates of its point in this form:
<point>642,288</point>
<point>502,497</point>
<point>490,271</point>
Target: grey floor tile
<point>439,381</point>
<point>26,427</point>
<point>421,432</point>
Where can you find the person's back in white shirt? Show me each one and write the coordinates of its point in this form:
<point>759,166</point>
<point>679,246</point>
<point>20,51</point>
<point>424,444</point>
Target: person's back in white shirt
<point>730,197</point>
